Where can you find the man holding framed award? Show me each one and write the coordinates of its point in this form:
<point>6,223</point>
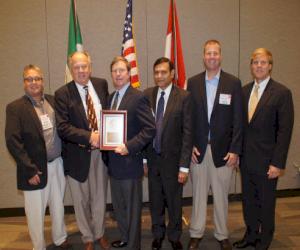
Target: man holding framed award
<point>125,161</point>
<point>78,105</point>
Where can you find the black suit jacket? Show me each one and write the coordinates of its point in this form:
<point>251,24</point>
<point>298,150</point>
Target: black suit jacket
<point>25,141</point>
<point>267,136</point>
<point>226,122</point>
<point>73,127</point>
<point>176,139</point>
<point>140,131</point>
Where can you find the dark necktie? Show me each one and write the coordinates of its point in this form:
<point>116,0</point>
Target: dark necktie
<point>115,104</point>
<point>159,121</point>
<point>91,114</point>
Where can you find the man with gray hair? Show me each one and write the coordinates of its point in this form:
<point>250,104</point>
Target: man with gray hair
<point>78,105</point>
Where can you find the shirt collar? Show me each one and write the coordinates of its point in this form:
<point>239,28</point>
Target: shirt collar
<point>217,76</point>
<point>263,84</point>
<point>167,90</point>
<point>34,103</point>
<point>123,89</point>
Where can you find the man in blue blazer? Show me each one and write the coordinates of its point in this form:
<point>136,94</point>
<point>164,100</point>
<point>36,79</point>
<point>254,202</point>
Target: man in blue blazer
<point>125,162</point>
<point>267,135</point>
<point>217,100</point>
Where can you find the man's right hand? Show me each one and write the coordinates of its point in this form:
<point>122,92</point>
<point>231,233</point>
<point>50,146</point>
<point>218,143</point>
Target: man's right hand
<point>35,180</point>
<point>95,139</point>
<point>195,154</point>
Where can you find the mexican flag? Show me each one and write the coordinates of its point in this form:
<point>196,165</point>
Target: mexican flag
<point>75,39</point>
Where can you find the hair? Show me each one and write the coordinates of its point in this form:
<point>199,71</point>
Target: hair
<point>120,59</point>
<point>262,51</point>
<point>210,42</point>
<point>32,67</point>
<point>70,58</point>
<point>164,60</point>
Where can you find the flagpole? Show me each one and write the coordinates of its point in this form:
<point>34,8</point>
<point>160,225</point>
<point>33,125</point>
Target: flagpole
<point>174,42</point>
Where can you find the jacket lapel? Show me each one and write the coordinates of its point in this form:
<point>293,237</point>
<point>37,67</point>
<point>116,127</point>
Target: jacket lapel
<point>78,102</point>
<point>125,98</point>
<point>219,90</point>
<point>202,91</point>
<point>33,114</point>
<point>169,106</point>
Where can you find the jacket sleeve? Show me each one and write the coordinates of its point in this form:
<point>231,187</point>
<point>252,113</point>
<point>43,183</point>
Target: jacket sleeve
<point>15,143</point>
<point>285,122</point>
<point>147,124</point>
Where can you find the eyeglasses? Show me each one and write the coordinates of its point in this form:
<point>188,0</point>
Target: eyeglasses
<point>31,79</point>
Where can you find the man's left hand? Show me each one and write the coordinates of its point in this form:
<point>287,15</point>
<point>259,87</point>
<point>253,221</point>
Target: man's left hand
<point>273,172</point>
<point>182,177</point>
<point>122,150</point>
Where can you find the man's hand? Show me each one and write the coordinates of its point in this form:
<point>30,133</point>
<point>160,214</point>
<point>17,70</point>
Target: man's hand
<point>182,177</point>
<point>195,154</point>
<point>122,150</point>
<point>146,170</point>
<point>232,160</point>
<point>273,172</point>
<point>95,139</point>
<point>35,180</point>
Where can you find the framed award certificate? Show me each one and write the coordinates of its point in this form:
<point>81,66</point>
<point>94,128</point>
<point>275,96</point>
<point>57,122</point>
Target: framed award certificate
<point>113,128</point>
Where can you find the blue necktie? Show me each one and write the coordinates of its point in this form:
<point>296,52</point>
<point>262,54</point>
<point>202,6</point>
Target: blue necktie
<point>159,121</point>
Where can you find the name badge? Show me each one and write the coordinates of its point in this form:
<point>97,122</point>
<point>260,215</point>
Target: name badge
<point>46,122</point>
<point>225,99</point>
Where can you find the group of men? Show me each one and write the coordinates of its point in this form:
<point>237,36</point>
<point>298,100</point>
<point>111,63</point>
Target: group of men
<point>204,132</point>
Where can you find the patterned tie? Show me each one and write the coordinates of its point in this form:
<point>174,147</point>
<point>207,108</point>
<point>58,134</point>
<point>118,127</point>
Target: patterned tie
<point>253,102</point>
<point>91,114</point>
<point>115,104</point>
<point>159,121</point>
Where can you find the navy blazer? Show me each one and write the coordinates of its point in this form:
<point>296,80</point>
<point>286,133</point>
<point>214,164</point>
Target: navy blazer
<point>226,122</point>
<point>140,132</point>
<point>73,127</point>
<point>25,141</point>
<point>267,137</point>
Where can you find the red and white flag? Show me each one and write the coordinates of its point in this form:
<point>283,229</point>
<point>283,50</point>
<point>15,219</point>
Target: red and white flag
<point>128,46</point>
<point>173,49</point>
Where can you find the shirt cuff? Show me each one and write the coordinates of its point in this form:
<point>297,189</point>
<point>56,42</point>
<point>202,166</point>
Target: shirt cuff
<point>184,170</point>
<point>144,161</point>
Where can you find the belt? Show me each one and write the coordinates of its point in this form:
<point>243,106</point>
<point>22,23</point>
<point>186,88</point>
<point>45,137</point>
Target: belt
<point>208,142</point>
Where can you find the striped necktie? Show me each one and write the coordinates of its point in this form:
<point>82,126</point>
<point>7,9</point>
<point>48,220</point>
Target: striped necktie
<point>91,114</point>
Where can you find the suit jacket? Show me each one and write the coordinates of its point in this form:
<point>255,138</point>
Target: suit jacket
<point>176,139</point>
<point>226,122</point>
<point>267,136</point>
<point>73,127</point>
<point>140,131</point>
<point>25,141</point>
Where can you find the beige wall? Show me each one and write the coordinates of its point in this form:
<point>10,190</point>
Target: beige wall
<point>35,31</point>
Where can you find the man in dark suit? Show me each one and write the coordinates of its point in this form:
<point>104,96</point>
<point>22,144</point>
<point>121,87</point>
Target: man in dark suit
<point>217,99</point>
<point>33,142</point>
<point>125,163</point>
<point>268,129</point>
<point>78,106</point>
<point>170,153</point>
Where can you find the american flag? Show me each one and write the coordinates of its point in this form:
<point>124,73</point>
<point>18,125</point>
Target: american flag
<point>128,46</point>
<point>173,49</point>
